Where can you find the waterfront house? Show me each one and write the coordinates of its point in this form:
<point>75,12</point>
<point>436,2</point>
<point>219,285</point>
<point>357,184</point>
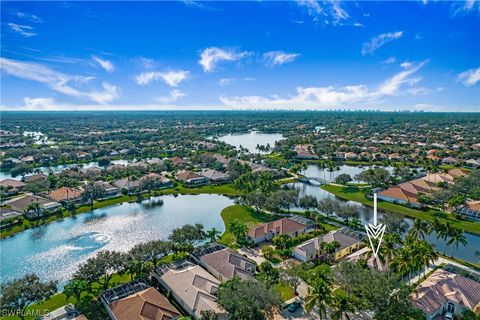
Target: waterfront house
<point>349,240</point>
<point>191,286</point>
<point>66,194</point>
<point>159,180</point>
<point>137,300</point>
<point>215,176</point>
<point>13,186</point>
<point>351,156</point>
<point>8,216</point>
<point>21,204</point>
<point>131,186</point>
<point>290,226</point>
<point>446,292</point>
<point>66,312</point>
<point>450,161</point>
<point>473,163</point>
<point>305,152</point>
<point>223,263</point>
<point>191,179</point>
<point>108,190</point>
<point>35,178</point>
<point>28,159</point>
<point>471,210</point>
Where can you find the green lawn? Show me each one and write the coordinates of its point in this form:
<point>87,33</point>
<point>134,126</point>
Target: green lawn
<point>286,291</point>
<point>224,189</point>
<point>245,214</point>
<point>354,194</point>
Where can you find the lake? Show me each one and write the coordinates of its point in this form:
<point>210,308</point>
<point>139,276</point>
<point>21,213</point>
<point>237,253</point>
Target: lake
<point>251,140</point>
<point>55,250</point>
<point>366,216</point>
<point>316,171</point>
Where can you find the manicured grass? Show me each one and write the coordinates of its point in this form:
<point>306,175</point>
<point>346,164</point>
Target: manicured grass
<point>224,189</point>
<point>246,215</point>
<point>354,194</point>
<point>286,292</point>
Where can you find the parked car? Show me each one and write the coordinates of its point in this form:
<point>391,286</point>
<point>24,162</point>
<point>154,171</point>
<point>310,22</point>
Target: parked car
<point>294,306</point>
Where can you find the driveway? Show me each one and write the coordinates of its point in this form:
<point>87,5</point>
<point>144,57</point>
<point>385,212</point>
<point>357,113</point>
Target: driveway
<point>252,253</point>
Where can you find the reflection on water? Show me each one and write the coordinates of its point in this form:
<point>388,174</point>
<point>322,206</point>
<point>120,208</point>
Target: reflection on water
<point>317,171</point>
<point>366,216</point>
<point>55,250</point>
<point>251,140</point>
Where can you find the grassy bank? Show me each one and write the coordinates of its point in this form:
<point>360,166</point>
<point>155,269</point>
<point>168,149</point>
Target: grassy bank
<point>246,215</point>
<point>355,194</point>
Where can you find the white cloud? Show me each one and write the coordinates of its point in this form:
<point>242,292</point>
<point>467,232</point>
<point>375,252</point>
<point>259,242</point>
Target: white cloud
<point>57,81</point>
<point>275,58</point>
<point>465,6</point>
<point>226,81</point>
<point>105,64</point>
<point>25,31</point>
<point>38,103</point>
<point>171,78</point>
<point>211,57</point>
<point>389,60</point>
<point>470,77</point>
<point>26,16</point>
<point>379,41</point>
<point>331,96</point>
<point>326,12</point>
<point>172,97</point>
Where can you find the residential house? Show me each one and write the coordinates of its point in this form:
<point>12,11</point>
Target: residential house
<point>215,176</point>
<point>450,161</point>
<point>21,204</point>
<point>160,180</point>
<point>224,263</point>
<point>446,292</point>
<point>351,156</point>
<point>67,312</point>
<point>395,157</point>
<point>8,215</point>
<point>92,171</point>
<point>108,190</point>
<point>473,163</point>
<point>350,241</point>
<point>191,179</point>
<point>137,300</point>
<point>28,159</point>
<point>13,186</point>
<point>131,186</point>
<point>66,194</point>
<point>471,210</point>
<point>35,177</point>
<point>305,151</point>
<point>191,286</point>
<point>178,162</point>
<point>291,226</point>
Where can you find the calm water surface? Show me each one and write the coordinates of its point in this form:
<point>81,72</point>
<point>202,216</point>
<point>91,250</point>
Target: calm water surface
<point>251,140</point>
<point>55,250</point>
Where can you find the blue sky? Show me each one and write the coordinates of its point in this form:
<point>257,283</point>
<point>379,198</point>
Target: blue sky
<point>418,55</point>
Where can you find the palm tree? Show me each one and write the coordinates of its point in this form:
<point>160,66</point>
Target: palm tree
<point>426,254</point>
<point>419,229</point>
<point>33,207</point>
<point>379,259</point>
<point>457,237</point>
<point>213,234</point>
<point>388,247</point>
<point>436,226</point>
<point>355,223</point>
<point>341,305</point>
<point>319,296</point>
<point>402,264</point>
<point>238,229</point>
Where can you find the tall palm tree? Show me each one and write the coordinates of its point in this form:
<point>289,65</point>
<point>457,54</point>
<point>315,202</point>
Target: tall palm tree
<point>457,237</point>
<point>402,264</point>
<point>341,305</point>
<point>436,226</point>
<point>213,234</point>
<point>379,260</point>
<point>319,297</point>
<point>426,254</point>
<point>388,248</point>
<point>419,229</point>
<point>355,223</point>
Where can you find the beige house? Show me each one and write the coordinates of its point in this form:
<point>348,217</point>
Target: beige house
<point>349,241</point>
<point>192,287</point>
<point>137,301</point>
<point>446,292</point>
<point>224,263</point>
<point>293,226</point>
